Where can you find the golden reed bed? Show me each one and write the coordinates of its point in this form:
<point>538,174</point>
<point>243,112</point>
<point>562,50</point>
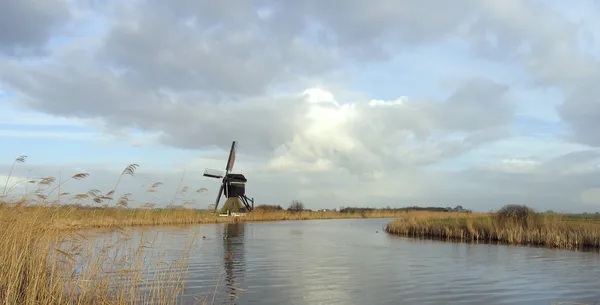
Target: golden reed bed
<point>40,247</point>
<point>39,260</point>
<point>84,218</point>
<point>530,228</point>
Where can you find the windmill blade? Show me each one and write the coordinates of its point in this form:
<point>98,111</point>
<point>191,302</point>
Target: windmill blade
<point>213,173</point>
<point>231,159</point>
<point>219,197</point>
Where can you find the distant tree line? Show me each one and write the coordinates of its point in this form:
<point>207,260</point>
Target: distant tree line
<point>268,208</point>
<point>295,206</point>
<point>298,206</point>
<point>458,208</point>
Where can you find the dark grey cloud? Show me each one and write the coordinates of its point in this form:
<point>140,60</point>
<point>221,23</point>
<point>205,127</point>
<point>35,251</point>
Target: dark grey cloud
<point>189,120</point>
<point>27,25</point>
<point>227,49</point>
<point>581,110</point>
<point>204,73</point>
<point>217,48</point>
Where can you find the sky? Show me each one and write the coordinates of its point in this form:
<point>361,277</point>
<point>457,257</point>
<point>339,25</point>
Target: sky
<point>333,103</point>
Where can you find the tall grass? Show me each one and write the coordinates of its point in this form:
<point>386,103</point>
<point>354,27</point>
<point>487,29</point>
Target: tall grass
<point>514,225</point>
<point>46,259</point>
<point>78,217</point>
<point>94,208</point>
<point>43,264</point>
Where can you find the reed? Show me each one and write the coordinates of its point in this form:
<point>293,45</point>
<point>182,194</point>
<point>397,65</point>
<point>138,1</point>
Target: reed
<point>42,247</point>
<point>95,209</point>
<point>528,228</point>
<point>45,258</point>
<point>42,264</point>
<point>77,217</point>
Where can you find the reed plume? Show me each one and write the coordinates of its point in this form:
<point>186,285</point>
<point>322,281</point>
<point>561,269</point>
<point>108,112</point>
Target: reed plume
<point>20,159</point>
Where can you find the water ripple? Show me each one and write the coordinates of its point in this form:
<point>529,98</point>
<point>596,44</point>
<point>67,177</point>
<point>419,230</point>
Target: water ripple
<point>354,262</point>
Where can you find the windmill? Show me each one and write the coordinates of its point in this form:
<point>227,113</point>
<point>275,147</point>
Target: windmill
<point>233,185</point>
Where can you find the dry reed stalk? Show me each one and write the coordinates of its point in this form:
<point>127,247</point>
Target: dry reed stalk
<point>41,264</point>
<point>77,217</point>
<point>554,231</point>
<point>41,252</point>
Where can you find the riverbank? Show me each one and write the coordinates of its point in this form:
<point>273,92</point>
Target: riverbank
<point>575,232</point>
<point>75,217</point>
<point>42,263</point>
<point>42,248</point>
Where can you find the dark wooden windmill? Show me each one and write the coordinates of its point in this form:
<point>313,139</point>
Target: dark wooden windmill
<point>233,186</point>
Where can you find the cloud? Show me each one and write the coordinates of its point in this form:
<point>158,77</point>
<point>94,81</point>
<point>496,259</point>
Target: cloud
<point>278,77</point>
<point>368,137</point>
<point>302,124</point>
<point>582,110</point>
<point>541,184</point>
<point>27,25</point>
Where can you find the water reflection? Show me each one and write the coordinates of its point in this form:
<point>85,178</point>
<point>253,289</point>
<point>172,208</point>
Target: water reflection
<point>233,257</point>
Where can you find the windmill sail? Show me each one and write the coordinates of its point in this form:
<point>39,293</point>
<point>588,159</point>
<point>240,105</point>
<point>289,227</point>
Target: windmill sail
<point>213,173</point>
<point>219,197</point>
<point>231,160</point>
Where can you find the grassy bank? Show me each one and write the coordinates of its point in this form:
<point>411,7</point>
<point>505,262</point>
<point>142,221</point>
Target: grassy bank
<point>41,264</point>
<point>42,247</point>
<point>45,258</point>
<point>75,217</point>
<point>514,225</point>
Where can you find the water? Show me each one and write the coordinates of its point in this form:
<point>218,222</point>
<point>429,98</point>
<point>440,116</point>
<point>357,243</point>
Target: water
<point>355,262</point>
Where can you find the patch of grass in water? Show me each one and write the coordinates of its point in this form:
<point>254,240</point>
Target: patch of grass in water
<point>529,228</point>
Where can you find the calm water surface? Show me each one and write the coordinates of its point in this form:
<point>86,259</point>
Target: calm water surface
<point>355,262</point>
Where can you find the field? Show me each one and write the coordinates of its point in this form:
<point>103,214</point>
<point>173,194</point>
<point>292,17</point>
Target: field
<point>576,232</point>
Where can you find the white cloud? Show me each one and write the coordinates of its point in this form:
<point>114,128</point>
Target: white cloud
<point>514,165</point>
<point>399,101</point>
<point>162,73</point>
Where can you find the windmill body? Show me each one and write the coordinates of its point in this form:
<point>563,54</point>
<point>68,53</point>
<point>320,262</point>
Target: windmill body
<point>233,186</point>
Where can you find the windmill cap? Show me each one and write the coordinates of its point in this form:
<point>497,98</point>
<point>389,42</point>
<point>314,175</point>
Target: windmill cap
<point>237,177</point>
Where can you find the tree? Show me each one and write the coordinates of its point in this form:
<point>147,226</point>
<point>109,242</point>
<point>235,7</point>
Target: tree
<point>266,207</point>
<point>296,206</point>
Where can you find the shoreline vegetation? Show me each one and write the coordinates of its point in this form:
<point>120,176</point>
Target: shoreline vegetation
<point>511,225</point>
<point>44,248</point>
<point>46,257</point>
<point>79,217</point>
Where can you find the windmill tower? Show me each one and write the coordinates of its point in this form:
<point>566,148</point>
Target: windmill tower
<point>233,186</point>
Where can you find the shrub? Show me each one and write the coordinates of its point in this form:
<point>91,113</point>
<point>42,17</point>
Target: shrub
<point>520,214</point>
<point>269,208</point>
<point>296,206</point>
